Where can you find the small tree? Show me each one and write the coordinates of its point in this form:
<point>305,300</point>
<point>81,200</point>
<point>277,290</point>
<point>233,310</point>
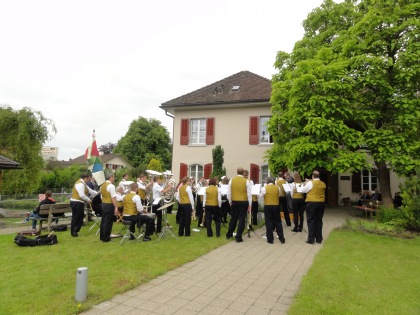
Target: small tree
<point>218,160</point>
<point>154,165</point>
<point>410,192</point>
<point>107,148</point>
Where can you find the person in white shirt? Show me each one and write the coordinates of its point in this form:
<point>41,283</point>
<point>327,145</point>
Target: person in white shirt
<point>158,192</point>
<point>185,207</point>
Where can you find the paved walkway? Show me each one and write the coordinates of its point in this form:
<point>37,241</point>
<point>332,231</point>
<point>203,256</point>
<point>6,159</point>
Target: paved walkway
<point>252,277</point>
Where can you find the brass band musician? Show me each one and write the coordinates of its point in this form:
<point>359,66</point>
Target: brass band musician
<point>185,207</point>
<point>212,202</point>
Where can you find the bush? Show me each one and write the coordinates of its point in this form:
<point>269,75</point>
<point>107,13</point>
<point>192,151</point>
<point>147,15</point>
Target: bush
<point>410,192</point>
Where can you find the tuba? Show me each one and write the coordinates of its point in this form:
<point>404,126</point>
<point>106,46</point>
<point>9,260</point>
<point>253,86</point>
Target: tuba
<point>170,194</point>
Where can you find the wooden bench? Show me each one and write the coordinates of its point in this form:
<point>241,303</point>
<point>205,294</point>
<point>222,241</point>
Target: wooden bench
<point>52,210</point>
<point>369,206</point>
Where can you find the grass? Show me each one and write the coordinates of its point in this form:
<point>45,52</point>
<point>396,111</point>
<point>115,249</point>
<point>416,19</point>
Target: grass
<point>359,273</point>
<point>42,280</point>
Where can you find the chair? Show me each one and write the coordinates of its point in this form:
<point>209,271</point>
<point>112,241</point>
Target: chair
<point>97,222</point>
<point>128,234</point>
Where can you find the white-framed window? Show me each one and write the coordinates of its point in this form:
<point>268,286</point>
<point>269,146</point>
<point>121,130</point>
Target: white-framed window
<point>264,134</point>
<point>264,173</point>
<point>198,131</point>
<point>369,179</point>
<point>196,171</point>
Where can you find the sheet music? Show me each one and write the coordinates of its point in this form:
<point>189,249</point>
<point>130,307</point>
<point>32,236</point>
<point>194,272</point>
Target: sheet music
<point>287,187</point>
<point>156,201</point>
<point>256,189</point>
<point>224,189</point>
<point>299,187</point>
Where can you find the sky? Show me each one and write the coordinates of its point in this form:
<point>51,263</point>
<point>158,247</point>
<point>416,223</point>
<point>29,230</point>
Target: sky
<point>88,64</point>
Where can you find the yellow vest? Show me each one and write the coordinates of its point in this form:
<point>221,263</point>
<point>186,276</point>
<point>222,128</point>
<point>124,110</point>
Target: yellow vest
<point>120,204</point>
<point>183,195</point>
<point>211,196</point>
<point>75,194</point>
<point>271,197</point>
<point>280,183</point>
<point>105,195</point>
<point>297,195</point>
<point>239,189</point>
<point>141,193</point>
<point>254,198</point>
<point>317,193</point>
<point>129,205</point>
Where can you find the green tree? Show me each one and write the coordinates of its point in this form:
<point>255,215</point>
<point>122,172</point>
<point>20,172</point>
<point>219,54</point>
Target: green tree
<point>218,160</point>
<point>107,148</point>
<point>410,192</point>
<point>144,140</point>
<point>60,178</point>
<point>347,95</point>
<point>23,133</point>
<point>154,165</point>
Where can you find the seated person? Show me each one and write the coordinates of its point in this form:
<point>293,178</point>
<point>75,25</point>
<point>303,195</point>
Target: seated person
<point>364,196</point>
<point>133,211</point>
<point>398,200</point>
<point>377,196</point>
<point>35,214</point>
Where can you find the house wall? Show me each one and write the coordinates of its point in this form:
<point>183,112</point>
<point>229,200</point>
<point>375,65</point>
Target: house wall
<point>231,132</point>
<point>344,186</point>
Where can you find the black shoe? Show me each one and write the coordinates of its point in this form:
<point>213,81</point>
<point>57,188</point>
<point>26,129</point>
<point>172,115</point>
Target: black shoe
<point>310,242</point>
<point>282,240</point>
<point>319,242</point>
<point>289,224</point>
<point>147,239</point>
<point>74,234</point>
<point>132,238</point>
<point>228,237</point>
<point>269,242</point>
<point>239,240</point>
<point>300,230</point>
<point>295,230</point>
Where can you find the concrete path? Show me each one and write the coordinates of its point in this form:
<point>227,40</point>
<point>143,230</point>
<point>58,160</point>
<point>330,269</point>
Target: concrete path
<point>252,277</point>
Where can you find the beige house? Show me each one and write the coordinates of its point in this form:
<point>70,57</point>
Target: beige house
<point>109,161</point>
<point>231,113</point>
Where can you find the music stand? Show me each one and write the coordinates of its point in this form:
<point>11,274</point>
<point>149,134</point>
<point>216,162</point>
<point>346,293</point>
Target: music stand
<point>166,228</point>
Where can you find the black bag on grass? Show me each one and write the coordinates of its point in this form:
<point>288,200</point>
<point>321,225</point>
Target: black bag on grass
<point>59,228</point>
<point>49,239</point>
<point>25,241</point>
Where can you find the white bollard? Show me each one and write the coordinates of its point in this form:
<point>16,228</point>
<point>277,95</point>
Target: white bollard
<point>81,284</point>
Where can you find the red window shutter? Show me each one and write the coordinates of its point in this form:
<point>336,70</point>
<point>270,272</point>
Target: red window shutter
<point>356,182</point>
<point>210,131</point>
<point>183,171</point>
<point>254,173</point>
<point>253,130</point>
<point>207,170</point>
<point>184,131</point>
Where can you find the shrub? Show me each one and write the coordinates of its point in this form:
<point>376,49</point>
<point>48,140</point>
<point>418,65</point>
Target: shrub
<point>410,192</point>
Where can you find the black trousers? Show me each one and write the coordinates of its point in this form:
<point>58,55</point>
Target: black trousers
<point>284,208</point>
<point>139,220</point>
<point>239,210</point>
<point>298,213</point>
<point>314,214</point>
<point>273,222</point>
<point>199,211</point>
<point>212,213</point>
<point>158,216</point>
<point>254,212</point>
<point>106,222</point>
<point>184,219</point>
<point>224,211</point>
<point>77,214</point>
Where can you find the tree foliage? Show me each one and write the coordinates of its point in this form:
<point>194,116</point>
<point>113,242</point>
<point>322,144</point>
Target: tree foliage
<point>155,165</point>
<point>60,178</point>
<point>410,192</point>
<point>23,134</point>
<point>218,160</point>
<point>144,140</point>
<point>348,94</point>
<point>107,148</point>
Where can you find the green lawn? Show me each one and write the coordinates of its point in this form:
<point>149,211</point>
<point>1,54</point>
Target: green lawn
<point>358,273</point>
<point>42,280</point>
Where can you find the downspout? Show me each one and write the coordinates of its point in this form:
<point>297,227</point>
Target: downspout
<point>173,137</point>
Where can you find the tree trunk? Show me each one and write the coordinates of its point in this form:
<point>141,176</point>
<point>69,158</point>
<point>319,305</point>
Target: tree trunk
<point>384,183</point>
